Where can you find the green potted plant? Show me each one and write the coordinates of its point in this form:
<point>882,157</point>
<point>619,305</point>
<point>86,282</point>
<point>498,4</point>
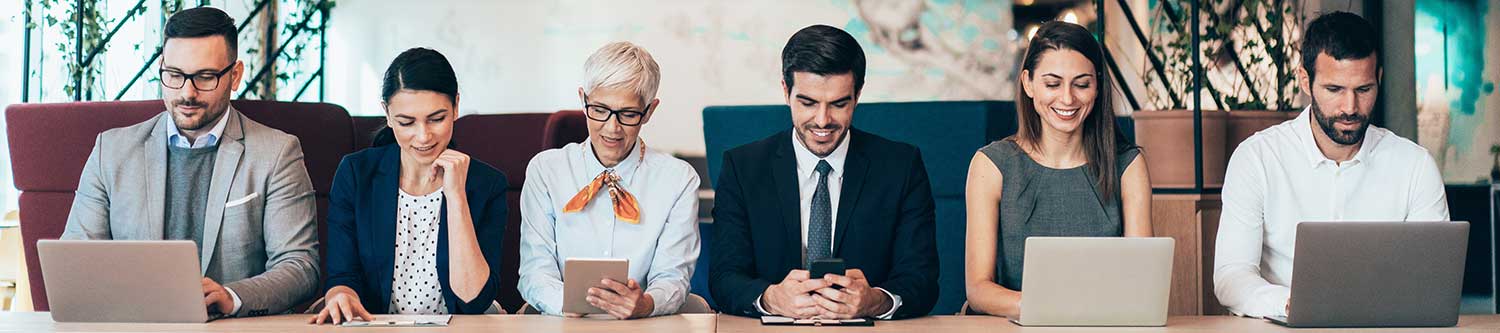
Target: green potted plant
<point>1257,42</point>
<point>1249,57</point>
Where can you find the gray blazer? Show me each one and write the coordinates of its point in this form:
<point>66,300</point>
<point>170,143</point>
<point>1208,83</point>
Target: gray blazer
<point>259,236</point>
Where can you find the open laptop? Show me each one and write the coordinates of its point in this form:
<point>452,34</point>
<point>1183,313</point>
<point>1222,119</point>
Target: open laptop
<point>1096,281</point>
<point>122,281</point>
<point>1377,274</point>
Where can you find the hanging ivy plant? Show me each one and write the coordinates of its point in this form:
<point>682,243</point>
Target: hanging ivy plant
<point>300,28</point>
<point>1250,45</point>
<point>84,27</point>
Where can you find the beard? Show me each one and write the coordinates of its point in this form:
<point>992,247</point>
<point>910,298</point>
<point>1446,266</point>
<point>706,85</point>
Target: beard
<point>1340,136</point>
<point>211,112</point>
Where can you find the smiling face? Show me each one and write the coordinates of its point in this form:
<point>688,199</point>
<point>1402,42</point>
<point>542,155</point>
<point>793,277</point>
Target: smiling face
<point>193,109</point>
<point>1343,96</point>
<point>422,122</point>
<point>822,109</point>
<point>611,140</point>
<point>1062,88</point>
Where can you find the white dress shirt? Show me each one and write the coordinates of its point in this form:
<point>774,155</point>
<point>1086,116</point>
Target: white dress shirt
<point>662,248</point>
<point>807,185</point>
<point>1278,178</point>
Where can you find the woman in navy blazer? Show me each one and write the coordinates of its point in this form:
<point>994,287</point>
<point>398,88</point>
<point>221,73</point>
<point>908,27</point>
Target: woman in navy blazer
<point>414,226</point>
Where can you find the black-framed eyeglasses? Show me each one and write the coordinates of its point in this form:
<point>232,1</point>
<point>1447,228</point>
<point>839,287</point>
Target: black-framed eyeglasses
<point>603,113</point>
<point>202,81</point>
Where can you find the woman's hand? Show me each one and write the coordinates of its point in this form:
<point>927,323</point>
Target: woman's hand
<point>453,167</point>
<point>341,304</point>
<point>622,300</point>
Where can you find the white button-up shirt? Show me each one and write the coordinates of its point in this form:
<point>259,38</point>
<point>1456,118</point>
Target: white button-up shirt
<point>662,248</point>
<point>1278,178</point>
<point>807,183</point>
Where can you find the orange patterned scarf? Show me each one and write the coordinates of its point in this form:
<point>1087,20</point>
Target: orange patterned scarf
<point>626,208</point>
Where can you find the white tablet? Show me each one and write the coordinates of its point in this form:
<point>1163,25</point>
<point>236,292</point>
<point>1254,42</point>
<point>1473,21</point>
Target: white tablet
<point>580,274</point>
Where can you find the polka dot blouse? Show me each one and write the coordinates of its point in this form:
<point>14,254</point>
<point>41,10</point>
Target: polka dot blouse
<point>415,289</point>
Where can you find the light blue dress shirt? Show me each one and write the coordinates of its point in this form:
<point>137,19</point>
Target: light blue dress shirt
<point>175,138</point>
<point>662,248</point>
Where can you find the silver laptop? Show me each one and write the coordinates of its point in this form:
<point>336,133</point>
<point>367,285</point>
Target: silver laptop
<point>1377,274</point>
<point>122,281</point>
<point>1096,281</point>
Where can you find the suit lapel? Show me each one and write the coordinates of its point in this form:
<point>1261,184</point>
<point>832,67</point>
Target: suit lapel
<point>226,165</point>
<point>156,171</point>
<point>784,170</point>
<point>855,169</point>
<point>383,230</point>
<point>442,254</point>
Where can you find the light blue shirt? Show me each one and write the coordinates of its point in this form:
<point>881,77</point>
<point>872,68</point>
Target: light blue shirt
<point>662,248</point>
<point>175,138</point>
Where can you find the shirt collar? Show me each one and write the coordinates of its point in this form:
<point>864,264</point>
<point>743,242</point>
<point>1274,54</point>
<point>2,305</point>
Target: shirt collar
<point>807,162</point>
<point>174,136</point>
<point>625,169</point>
<point>1304,131</point>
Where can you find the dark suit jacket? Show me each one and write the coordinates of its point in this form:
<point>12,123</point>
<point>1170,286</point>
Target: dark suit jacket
<point>362,228</point>
<point>884,224</point>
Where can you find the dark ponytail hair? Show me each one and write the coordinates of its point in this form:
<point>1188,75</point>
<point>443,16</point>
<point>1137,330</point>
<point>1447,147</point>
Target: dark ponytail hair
<point>417,68</point>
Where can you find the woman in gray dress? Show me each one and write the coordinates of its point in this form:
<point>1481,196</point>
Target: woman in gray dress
<point>1066,172</point>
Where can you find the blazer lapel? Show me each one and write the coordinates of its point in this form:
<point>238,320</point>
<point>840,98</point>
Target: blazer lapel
<point>226,165</point>
<point>442,256</point>
<point>855,169</point>
<point>383,230</point>
<point>784,170</point>
<point>154,226</point>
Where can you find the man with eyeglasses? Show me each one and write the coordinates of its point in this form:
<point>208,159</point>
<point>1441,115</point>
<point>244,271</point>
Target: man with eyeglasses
<point>612,197</point>
<point>202,171</point>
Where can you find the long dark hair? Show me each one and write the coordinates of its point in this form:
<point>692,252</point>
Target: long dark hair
<point>417,68</point>
<point>1099,135</point>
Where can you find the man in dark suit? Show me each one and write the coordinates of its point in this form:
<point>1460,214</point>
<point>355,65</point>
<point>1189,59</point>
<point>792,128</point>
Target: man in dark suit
<point>824,190</point>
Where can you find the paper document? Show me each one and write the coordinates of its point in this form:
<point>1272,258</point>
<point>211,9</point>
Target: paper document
<point>403,321</point>
<point>779,320</point>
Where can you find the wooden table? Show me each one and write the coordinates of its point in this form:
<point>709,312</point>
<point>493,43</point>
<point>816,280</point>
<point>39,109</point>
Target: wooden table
<point>42,322</point>
<point>987,324</point>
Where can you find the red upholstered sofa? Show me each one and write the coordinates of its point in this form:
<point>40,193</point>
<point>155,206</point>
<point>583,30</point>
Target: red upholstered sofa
<point>50,142</point>
<point>507,142</point>
<point>564,127</point>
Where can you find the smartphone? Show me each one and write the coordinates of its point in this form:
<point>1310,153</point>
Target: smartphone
<point>822,267</point>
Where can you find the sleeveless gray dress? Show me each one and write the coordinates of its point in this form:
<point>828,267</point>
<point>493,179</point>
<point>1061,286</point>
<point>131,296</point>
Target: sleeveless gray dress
<point>1040,201</point>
